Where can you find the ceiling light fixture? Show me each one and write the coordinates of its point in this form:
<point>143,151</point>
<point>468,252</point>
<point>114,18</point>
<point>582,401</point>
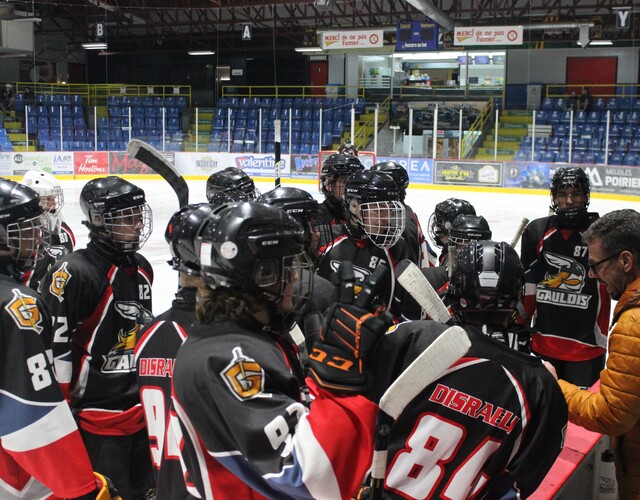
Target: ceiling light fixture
<point>308,49</point>
<point>601,42</point>
<point>201,52</point>
<point>94,46</point>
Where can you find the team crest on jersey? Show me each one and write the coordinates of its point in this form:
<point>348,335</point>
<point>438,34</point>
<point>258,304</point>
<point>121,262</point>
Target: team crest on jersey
<point>244,376</point>
<point>24,312</point>
<point>361,273</point>
<point>563,287</point>
<point>120,356</point>
<point>59,280</point>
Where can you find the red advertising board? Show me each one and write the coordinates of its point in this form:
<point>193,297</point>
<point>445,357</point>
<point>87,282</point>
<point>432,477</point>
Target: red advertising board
<point>91,163</point>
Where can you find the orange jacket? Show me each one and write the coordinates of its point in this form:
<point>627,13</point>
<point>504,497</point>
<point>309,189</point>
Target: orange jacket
<point>615,408</point>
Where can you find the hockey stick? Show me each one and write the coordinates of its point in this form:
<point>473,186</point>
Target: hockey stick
<point>521,228</point>
<point>156,161</point>
<point>278,137</point>
<point>445,350</point>
<point>417,285</point>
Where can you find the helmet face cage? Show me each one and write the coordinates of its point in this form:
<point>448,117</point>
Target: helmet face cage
<point>28,240</point>
<point>442,218</point>
<point>48,188</point>
<point>129,228</point>
<point>335,172</point>
<point>488,277</point>
<point>570,179</point>
<point>383,222</point>
<point>467,228</point>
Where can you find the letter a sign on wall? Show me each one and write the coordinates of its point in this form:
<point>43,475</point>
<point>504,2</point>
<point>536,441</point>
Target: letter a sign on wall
<point>246,32</point>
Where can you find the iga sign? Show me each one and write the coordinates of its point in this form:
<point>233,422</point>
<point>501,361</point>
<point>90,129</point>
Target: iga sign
<point>488,35</point>
<point>363,39</point>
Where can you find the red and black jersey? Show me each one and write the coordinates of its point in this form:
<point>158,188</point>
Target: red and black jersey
<point>415,238</point>
<point>366,257</point>
<point>97,308</point>
<point>62,244</point>
<point>493,416</point>
<point>39,439</point>
<point>240,400</point>
<point>155,356</point>
<point>570,310</point>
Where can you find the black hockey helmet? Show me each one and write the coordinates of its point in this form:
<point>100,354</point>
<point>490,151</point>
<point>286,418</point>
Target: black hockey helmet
<point>110,206</point>
<point>24,226</point>
<point>229,185</point>
<point>487,283</point>
<point>466,228</point>
<point>372,201</point>
<point>570,178</point>
<point>259,250</point>
<point>305,209</point>
<point>443,216</point>
<point>397,172</point>
<point>181,233</point>
<point>335,170</point>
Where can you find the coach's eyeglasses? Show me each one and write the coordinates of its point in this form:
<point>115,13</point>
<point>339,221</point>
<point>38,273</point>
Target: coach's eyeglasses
<point>594,265</point>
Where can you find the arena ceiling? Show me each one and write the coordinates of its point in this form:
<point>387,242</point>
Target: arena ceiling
<point>173,25</point>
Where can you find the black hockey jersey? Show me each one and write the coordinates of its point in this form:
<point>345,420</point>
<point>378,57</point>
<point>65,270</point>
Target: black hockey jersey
<point>62,244</point>
<point>569,309</point>
<point>494,421</point>
<point>155,355</point>
<point>239,397</point>
<point>415,238</point>
<point>366,257</point>
<point>97,308</point>
<point>39,439</point>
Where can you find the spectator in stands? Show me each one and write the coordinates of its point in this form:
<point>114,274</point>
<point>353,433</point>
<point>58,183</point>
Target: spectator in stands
<point>614,259</point>
<point>573,101</point>
<point>584,100</point>
<point>28,97</point>
<point>6,98</point>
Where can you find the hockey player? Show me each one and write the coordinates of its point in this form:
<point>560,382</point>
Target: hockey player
<point>569,308</point>
<point>230,184</point>
<point>62,238</point>
<point>41,451</point>
<point>492,425</point>
<point>239,388</point>
<point>305,209</point>
<point>99,297</point>
<point>335,171</point>
<point>464,229</point>
<point>413,233</point>
<point>441,220</point>
<point>372,234</point>
<point>156,351</point>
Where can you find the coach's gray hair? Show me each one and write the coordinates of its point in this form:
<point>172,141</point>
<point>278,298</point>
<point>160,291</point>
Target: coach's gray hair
<point>616,231</point>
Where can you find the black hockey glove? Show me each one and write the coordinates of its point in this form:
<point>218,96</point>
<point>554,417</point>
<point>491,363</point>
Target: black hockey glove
<point>350,333</point>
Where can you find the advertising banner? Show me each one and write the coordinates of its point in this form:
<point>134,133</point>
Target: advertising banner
<point>468,173</point>
<point>488,35</point>
<point>56,163</point>
<point>6,164</point>
<point>420,170</point>
<point>619,180</point>
<point>120,163</point>
<point>416,36</point>
<point>258,165</point>
<point>528,175</point>
<point>304,166</point>
<point>91,163</point>
<point>199,163</point>
<point>361,39</point>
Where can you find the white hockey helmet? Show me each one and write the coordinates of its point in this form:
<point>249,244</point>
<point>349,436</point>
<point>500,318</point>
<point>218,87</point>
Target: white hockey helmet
<point>48,187</point>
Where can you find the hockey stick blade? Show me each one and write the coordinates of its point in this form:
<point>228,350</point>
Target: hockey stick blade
<point>444,351</point>
<point>417,285</point>
<point>277,150</point>
<point>521,228</point>
<point>150,156</point>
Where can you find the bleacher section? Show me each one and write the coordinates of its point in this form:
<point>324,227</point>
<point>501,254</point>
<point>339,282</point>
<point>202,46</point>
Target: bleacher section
<point>242,124</point>
<point>610,126</point>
